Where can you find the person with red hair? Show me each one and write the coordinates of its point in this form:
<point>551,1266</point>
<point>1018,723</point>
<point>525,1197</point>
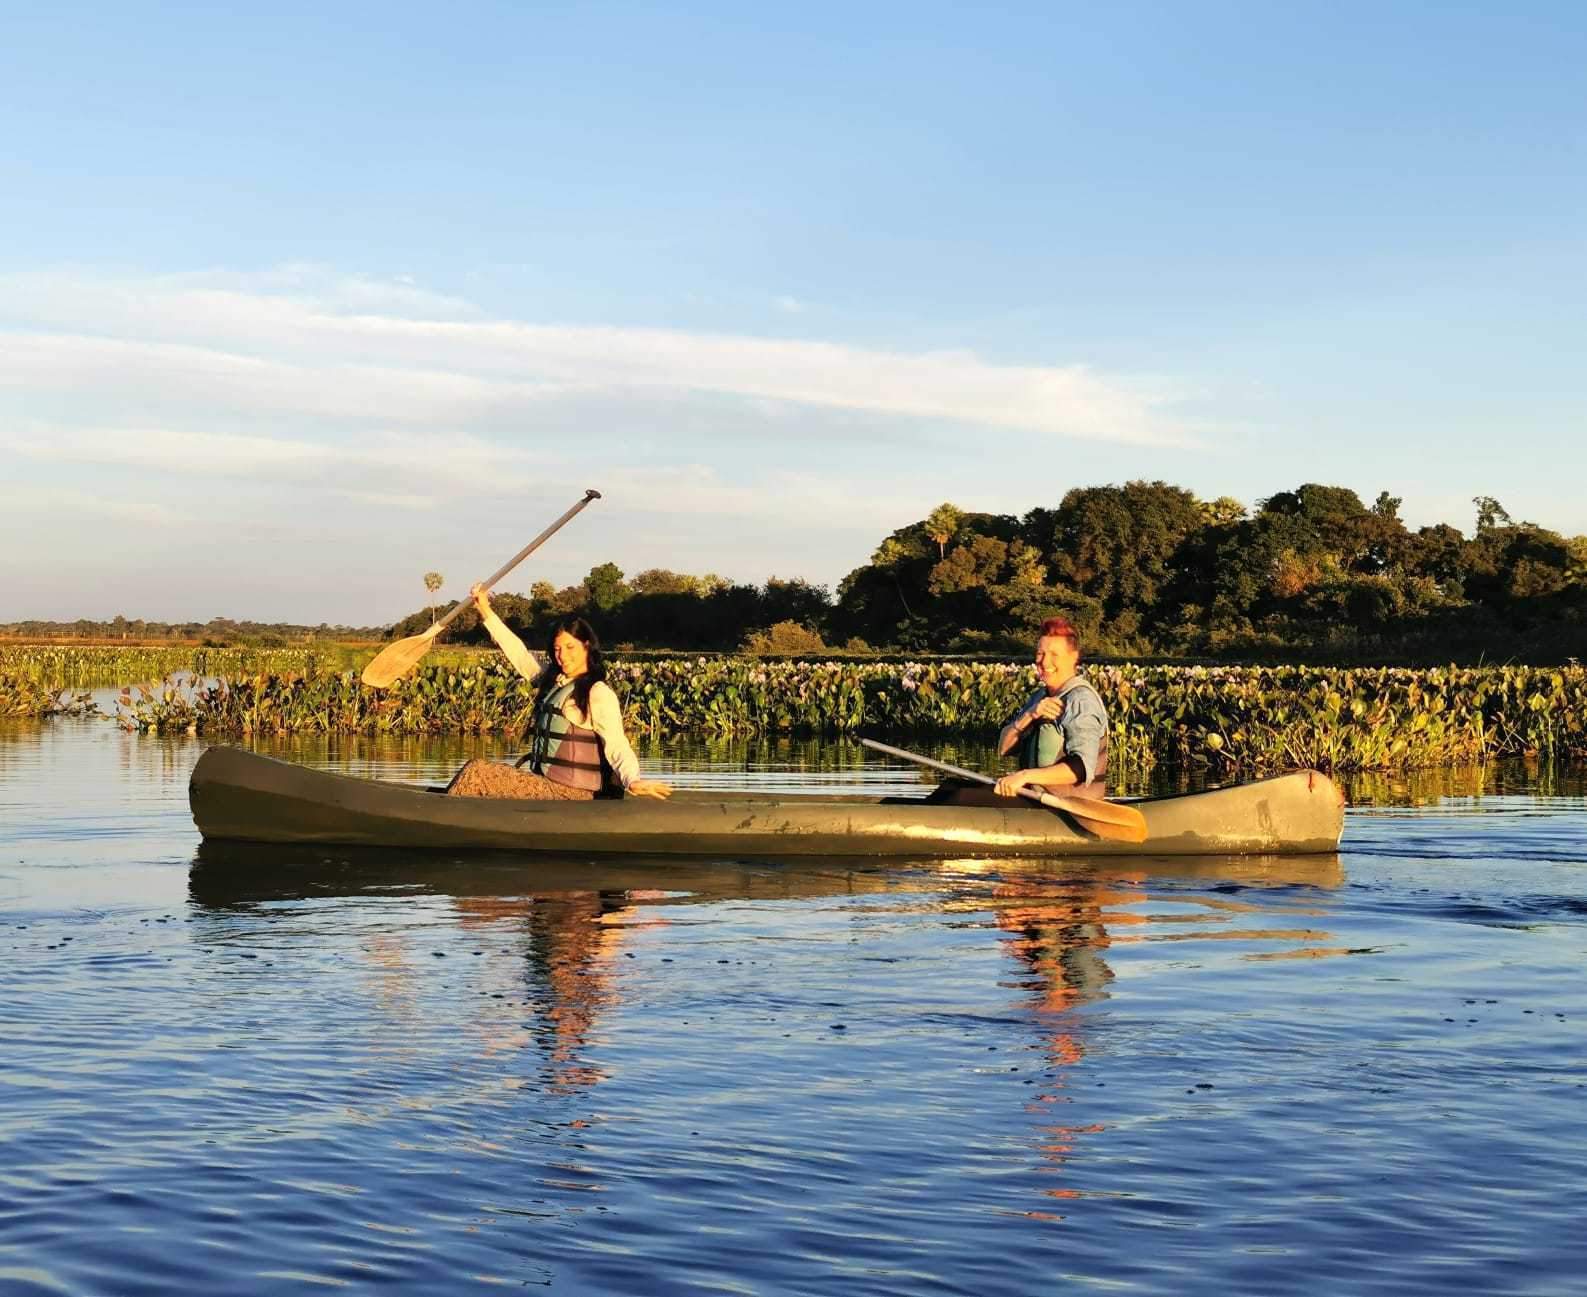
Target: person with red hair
<point>1060,735</point>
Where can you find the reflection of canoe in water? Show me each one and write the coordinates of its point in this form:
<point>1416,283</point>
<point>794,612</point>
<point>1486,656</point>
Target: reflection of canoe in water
<point>225,874</point>
<point>238,795</point>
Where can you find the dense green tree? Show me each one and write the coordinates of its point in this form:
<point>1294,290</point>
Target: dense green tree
<point>927,585</point>
<point>604,587</point>
<point>794,600</point>
<point>1222,511</point>
<point>657,580</point>
<point>1439,553</point>
<point>1118,544</point>
<point>1513,562</point>
<point>876,600</point>
<point>1490,513</point>
<point>1576,547</point>
<point>1343,532</point>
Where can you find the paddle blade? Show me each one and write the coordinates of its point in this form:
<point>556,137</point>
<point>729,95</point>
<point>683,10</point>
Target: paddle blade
<point>1105,819</point>
<point>396,660</point>
<point>1117,832</point>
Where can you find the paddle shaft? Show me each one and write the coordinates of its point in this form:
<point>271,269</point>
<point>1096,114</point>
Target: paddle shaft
<point>1121,821</point>
<point>519,557</point>
<point>973,775</point>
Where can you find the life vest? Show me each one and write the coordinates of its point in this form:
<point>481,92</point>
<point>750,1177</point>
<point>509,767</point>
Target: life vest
<point>1043,745</point>
<point>566,753</point>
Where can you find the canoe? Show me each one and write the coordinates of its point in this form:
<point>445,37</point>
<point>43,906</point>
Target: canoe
<point>241,796</point>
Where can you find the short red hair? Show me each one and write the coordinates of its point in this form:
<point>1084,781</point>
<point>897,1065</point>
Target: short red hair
<point>1060,626</point>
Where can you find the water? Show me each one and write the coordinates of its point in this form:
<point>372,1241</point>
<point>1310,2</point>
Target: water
<point>264,1071</point>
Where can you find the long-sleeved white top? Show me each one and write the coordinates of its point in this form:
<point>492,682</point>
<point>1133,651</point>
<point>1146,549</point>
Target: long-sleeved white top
<point>606,713</point>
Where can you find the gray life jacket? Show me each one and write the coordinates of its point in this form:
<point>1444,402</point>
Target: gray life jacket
<point>566,753</point>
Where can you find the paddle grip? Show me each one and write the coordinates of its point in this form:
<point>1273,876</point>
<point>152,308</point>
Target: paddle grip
<point>522,554</point>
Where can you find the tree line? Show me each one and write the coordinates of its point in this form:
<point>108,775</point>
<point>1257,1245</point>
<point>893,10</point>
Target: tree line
<point>1142,569</point>
<point>216,632</point>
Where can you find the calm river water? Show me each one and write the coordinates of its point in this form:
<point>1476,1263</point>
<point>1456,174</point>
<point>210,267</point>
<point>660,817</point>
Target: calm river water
<point>257,1072</point>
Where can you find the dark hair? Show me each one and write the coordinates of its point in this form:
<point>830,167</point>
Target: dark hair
<point>1063,627</point>
<point>582,631</point>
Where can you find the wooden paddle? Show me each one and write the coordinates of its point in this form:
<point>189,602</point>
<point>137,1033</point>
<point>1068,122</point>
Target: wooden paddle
<point>1105,819</point>
<point>396,660</point>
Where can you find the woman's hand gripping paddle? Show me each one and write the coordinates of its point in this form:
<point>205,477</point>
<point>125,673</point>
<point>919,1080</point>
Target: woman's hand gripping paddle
<point>396,660</point>
<point>1105,819</point>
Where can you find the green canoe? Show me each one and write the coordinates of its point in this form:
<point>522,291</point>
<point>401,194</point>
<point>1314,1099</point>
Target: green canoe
<point>240,796</point>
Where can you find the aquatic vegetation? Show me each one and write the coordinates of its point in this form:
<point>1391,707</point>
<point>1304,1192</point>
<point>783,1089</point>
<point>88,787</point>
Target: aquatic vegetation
<point>73,666</point>
<point>1233,721</point>
<point>24,697</point>
<point>1230,720</point>
<point>1242,720</point>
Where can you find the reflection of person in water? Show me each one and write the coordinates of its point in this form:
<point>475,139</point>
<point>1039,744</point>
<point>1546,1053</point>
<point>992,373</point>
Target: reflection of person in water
<point>1056,931</point>
<point>573,939</point>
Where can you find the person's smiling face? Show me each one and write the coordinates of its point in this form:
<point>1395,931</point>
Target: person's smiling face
<point>1056,660</point>
<point>572,655</point>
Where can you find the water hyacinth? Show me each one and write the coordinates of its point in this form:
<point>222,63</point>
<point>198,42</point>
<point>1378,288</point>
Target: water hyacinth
<point>1233,721</point>
<point>23,697</point>
<point>70,666</point>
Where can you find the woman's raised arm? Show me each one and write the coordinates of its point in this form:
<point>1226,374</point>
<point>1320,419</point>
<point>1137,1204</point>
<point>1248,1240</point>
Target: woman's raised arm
<point>516,651</point>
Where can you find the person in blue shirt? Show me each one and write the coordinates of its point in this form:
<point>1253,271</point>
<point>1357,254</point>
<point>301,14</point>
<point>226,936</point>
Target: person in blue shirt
<point>1060,734</point>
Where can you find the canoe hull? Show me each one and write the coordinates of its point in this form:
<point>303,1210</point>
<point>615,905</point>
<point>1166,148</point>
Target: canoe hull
<point>240,796</point>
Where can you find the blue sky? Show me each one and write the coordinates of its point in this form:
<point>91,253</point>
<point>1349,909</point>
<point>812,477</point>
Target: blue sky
<point>298,303</point>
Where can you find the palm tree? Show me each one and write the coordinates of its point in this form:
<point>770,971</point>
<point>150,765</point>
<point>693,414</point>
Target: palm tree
<point>941,524</point>
<point>432,583</point>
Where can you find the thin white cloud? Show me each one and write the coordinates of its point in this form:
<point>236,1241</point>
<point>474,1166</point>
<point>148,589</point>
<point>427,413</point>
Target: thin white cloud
<point>789,500</point>
<point>66,504</point>
<point>385,499</point>
<point>396,466</point>
<point>167,450</point>
<point>331,352</point>
<point>205,383</point>
<point>439,470</point>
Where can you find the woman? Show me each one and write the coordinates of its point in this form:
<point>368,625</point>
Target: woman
<point>580,750</point>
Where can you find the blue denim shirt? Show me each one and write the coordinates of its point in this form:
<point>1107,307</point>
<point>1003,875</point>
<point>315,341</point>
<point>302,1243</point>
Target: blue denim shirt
<point>1083,723</point>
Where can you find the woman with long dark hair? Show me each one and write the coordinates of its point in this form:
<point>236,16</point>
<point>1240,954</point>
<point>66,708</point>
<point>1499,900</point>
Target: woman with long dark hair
<point>579,749</point>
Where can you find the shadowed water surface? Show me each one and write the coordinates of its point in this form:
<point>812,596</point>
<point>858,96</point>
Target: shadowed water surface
<point>254,1070</point>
